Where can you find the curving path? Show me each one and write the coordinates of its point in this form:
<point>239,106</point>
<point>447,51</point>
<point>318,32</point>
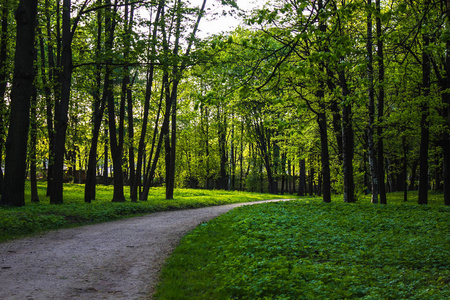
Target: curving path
<point>115,260</point>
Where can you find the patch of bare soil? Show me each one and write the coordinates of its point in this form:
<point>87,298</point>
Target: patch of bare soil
<point>115,260</point>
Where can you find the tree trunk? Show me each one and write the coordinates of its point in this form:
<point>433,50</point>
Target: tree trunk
<point>222,133</point>
<point>371,127</point>
<point>127,94</point>
<point>62,107</point>
<point>33,141</point>
<point>99,108</point>
<point>50,103</point>
<point>321,116</point>
<point>106,152</point>
<point>148,95</point>
<point>116,143</point>
<point>424,125</point>
<point>347,142</point>
<point>16,142</point>
<point>302,179</point>
<point>381,94</point>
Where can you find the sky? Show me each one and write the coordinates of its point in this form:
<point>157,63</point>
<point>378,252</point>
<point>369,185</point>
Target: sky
<point>210,25</point>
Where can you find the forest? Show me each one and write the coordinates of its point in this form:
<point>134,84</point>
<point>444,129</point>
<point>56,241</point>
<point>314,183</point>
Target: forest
<point>318,97</point>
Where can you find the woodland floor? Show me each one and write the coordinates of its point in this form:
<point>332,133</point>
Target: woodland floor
<point>115,260</point>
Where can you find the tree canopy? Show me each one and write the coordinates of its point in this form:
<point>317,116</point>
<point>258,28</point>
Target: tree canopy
<point>318,97</point>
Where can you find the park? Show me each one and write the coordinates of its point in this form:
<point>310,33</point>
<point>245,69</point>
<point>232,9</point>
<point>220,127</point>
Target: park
<point>112,111</point>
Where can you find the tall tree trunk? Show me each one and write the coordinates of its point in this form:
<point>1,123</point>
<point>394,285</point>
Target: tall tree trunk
<point>381,96</point>
<point>16,142</point>
<point>62,107</point>
<point>371,94</point>
<point>50,103</point>
<point>33,140</point>
<point>302,178</point>
<point>424,125</point>
<point>405,170</point>
<point>99,108</point>
<point>222,133</point>
<point>148,95</point>
<point>127,93</point>
<point>152,163</point>
<point>347,142</point>
<point>321,116</point>
<point>116,142</point>
<point>106,150</point>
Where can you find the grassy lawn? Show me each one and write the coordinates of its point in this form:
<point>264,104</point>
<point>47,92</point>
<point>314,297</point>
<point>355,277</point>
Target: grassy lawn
<point>38,217</point>
<point>307,249</point>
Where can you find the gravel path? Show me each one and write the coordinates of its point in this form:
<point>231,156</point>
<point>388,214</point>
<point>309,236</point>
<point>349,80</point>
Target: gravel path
<point>115,260</point>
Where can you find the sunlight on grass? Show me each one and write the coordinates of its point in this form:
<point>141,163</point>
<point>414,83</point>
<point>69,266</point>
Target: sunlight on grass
<point>38,217</point>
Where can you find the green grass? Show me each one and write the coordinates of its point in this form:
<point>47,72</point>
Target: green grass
<point>307,249</point>
<point>37,217</point>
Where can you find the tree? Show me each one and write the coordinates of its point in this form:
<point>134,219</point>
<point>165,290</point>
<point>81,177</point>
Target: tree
<point>62,102</point>
<point>16,143</point>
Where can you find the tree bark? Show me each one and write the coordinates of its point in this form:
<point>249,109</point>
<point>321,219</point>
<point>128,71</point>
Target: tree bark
<point>99,108</point>
<point>116,142</point>
<point>33,143</point>
<point>62,102</point>
<point>371,98</point>
<point>347,142</point>
<point>302,178</point>
<point>148,95</point>
<point>381,96</point>
<point>16,142</point>
<point>424,125</point>
<point>222,133</point>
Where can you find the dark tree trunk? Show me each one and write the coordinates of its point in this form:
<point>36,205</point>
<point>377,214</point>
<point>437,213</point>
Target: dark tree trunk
<point>61,108</point>
<point>106,153</point>
<point>424,125</point>
<point>116,143</point>
<point>152,164</point>
<point>50,104</point>
<point>325,156</point>
<point>302,178</point>
<point>99,108</point>
<point>241,159</point>
<point>222,133</point>
<point>263,143</point>
<point>347,143</point>
<point>33,142</point>
<point>127,93</point>
<point>381,94</point>
<point>322,118</point>
<point>16,142</point>
<point>148,95</point>
<point>171,156</point>
<point>405,170</point>
<point>371,126</point>
<point>311,181</point>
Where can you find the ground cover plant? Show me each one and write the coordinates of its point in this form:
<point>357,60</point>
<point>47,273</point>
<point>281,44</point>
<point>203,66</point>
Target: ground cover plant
<point>37,217</point>
<point>308,249</point>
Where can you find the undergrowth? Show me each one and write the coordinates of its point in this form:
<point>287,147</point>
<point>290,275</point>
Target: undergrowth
<point>311,250</point>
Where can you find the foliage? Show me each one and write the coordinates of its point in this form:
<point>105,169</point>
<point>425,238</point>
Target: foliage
<point>38,217</point>
<point>311,250</point>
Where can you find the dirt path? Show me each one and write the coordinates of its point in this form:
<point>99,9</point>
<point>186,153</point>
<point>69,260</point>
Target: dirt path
<point>116,260</point>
